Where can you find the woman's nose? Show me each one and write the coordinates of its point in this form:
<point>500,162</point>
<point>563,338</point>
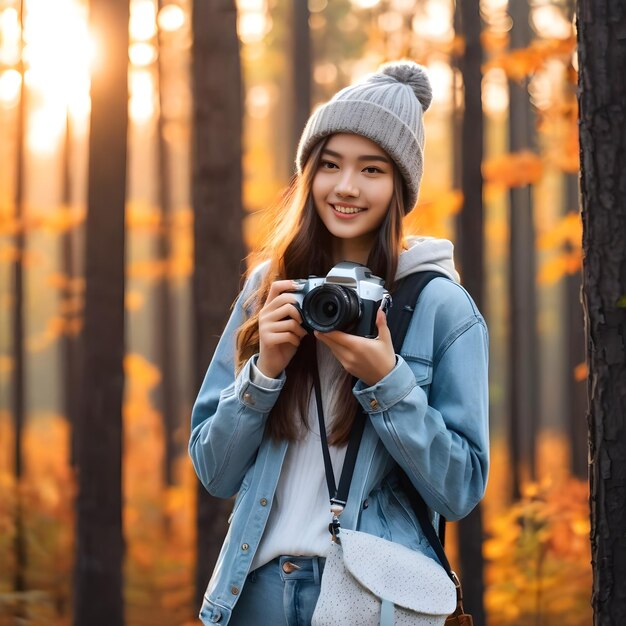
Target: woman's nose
<point>346,187</point>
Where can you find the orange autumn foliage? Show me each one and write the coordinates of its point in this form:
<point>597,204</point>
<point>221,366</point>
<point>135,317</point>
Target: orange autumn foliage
<point>537,549</point>
<point>581,372</point>
<point>558,123</point>
<point>433,212</point>
<point>539,557</point>
<point>520,63</point>
<point>516,169</point>
<point>565,240</point>
<point>566,262</point>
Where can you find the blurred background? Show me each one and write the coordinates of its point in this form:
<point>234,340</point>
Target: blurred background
<point>533,545</point>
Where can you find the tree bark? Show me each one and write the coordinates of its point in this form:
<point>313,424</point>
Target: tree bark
<point>602,111</point>
<point>19,382</point>
<point>99,542</point>
<point>165,309</point>
<point>471,231</point>
<point>576,392</point>
<point>216,198</point>
<point>301,70</point>
<point>70,343</point>
<point>524,365</point>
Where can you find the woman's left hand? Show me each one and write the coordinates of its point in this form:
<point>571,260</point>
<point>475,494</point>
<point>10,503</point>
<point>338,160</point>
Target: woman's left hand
<point>368,359</point>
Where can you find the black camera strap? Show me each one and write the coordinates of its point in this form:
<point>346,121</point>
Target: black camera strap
<point>405,298</point>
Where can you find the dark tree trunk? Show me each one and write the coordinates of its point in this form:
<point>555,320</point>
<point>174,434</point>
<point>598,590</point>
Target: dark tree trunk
<point>301,68</point>
<point>70,342</point>
<point>165,310</point>
<point>99,540</point>
<point>216,197</point>
<point>470,529</point>
<point>19,382</point>
<point>575,390</point>
<point>523,370</point>
<point>602,106</point>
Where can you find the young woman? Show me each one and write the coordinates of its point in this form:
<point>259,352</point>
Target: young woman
<point>254,424</point>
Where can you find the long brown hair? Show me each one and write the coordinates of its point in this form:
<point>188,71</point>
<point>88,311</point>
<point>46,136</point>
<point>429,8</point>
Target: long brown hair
<point>299,245</point>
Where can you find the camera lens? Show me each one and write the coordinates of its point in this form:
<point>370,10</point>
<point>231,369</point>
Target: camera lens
<point>331,307</point>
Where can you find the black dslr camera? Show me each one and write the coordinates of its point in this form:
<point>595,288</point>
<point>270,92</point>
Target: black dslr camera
<point>347,299</point>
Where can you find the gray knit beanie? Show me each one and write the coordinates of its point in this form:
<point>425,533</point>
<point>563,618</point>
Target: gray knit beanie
<point>386,107</point>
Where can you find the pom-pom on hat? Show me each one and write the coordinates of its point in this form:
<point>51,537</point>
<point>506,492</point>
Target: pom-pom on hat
<point>386,107</point>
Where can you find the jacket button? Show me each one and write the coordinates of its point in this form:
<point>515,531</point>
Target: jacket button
<point>263,501</point>
<point>245,547</point>
<point>365,503</point>
<point>374,403</point>
<point>234,591</point>
<point>248,398</point>
<point>216,617</point>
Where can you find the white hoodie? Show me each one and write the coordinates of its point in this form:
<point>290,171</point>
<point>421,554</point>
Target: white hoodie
<point>425,254</point>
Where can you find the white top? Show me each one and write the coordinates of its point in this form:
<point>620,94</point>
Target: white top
<point>298,521</point>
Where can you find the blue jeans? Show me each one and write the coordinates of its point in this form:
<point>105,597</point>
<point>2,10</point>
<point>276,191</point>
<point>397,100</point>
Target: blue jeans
<point>281,593</point>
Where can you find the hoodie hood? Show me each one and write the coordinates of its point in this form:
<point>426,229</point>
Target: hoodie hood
<point>427,254</point>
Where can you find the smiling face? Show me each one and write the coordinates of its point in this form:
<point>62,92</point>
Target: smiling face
<point>352,190</point>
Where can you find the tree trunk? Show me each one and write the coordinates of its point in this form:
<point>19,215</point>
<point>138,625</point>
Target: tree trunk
<point>602,110</point>
<point>470,529</point>
<point>99,541</point>
<point>523,370</point>
<point>576,392</point>
<point>165,311</point>
<point>69,342</point>
<point>301,69</point>
<point>216,197</point>
<point>19,382</point>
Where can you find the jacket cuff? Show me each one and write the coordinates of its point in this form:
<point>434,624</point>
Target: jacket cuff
<point>261,380</point>
<point>251,391</point>
<point>387,391</point>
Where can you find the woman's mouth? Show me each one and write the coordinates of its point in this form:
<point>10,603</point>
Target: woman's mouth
<point>346,210</point>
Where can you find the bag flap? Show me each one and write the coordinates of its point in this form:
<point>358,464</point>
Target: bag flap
<point>403,576</point>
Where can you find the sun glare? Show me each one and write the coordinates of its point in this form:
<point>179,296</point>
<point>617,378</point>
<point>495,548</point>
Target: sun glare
<point>10,83</point>
<point>253,26</point>
<point>9,37</point>
<point>142,20</point>
<point>57,54</point>
<point>365,4</point>
<point>142,54</point>
<point>434,22</point>
<point>142,96</point>
<point>171,18</point>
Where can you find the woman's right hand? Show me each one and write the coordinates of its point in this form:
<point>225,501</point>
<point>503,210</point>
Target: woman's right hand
<point>280,330</point>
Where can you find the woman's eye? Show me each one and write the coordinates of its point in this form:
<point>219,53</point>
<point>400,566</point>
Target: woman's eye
<point>372,170</point>
<point>329,165</point>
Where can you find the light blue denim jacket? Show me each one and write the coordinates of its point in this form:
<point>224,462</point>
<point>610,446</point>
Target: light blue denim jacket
<point>429,415</point>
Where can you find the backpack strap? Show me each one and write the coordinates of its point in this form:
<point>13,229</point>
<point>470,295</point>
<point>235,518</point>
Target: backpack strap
<point>404,300</point>
<point>405,297</point>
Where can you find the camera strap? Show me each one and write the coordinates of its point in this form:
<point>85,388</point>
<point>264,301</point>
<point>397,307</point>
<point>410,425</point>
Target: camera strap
<point>405,298</point>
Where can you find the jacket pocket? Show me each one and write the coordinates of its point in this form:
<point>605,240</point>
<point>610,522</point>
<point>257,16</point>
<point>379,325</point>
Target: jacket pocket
<point>422,369</point>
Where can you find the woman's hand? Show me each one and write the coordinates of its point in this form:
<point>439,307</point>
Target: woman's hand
<point>280,330</point>
<point>368,359</point>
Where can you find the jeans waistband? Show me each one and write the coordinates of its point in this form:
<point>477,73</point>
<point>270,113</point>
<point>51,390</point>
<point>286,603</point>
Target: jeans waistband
<point>290,567</point>
<point>301,567</point>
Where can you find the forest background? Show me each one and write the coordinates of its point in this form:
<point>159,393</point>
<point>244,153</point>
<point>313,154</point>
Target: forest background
<point>533,527</point>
